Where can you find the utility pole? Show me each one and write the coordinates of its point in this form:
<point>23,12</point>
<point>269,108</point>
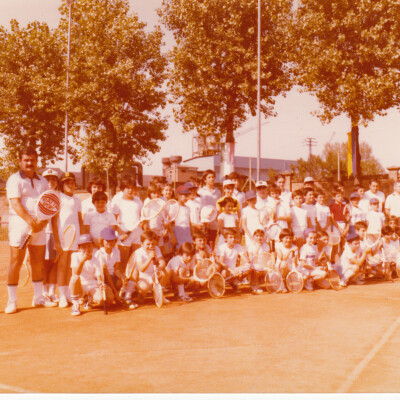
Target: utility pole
<point>310,142</point>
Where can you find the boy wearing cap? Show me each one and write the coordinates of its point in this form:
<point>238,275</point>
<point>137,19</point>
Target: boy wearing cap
<point>182,226</point>
<point>375,218</point>
<point>87,276</point>
<point>356,214</point>
<point>70,214</point>
<point>262,194</point>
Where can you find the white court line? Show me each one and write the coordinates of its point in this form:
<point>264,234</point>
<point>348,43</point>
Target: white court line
<point>14,389</point>
<point>348,383</point>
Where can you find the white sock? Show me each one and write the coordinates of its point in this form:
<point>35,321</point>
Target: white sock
<point>52,288</point>
<point>68,294</point>
<point>38,289</point>
<point>130,287</point>
<point>62,291</point>
<point>45,289</point>
<point>12,293</point>
<point>181,290</point>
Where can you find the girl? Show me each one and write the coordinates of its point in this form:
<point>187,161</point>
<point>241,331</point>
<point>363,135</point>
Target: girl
<point>70,214</point>
<point>182,226</point>
<point>228,218</point>
<point>286,254</point>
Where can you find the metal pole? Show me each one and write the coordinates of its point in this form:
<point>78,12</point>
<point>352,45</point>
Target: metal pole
<point>66,105</point>
<point>259,92</point>
<point>338,163</point>
<point>250,173</point>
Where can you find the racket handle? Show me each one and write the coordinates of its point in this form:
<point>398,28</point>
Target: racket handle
<point>26,240</point>
<point>105,299</point>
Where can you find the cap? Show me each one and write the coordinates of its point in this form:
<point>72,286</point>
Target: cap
<point>86,238</point>
<point>50,172</point>
<point>228,182</point>
<point>374,201</point>
<point>67,176</point>
<point>108,233</point>
<point>354,196</point>
<point>251,194</point>
<point>208,214</point>
<point>261,184</point>
<point>190,185</point>
<point>352,236</point>
<point>308,179</point>
<point>182,190</point>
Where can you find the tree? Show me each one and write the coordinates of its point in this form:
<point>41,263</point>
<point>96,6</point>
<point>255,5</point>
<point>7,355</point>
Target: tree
<point>31,92</point>
<point>116,94</point>
<point>347,56</point>
<point>213,79</point>
<point>325,166</point>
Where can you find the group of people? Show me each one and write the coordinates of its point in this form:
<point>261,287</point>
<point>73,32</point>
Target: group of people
<point>117,255</point>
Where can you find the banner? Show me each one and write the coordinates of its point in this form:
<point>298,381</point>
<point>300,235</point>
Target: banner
<point>353,153</point>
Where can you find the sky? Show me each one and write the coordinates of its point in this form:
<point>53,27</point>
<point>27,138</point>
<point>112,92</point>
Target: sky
<point>282,136</point>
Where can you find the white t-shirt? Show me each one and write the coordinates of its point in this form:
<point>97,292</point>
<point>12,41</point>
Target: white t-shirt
<point>182,225</point>
<point>299,221</point>
<point>109,259</point>
<point>288,254</point>
<point>68,215</point>
<point>176,262</point>
<point>90,270</point>
<point>20,186</point>
<point>375,221</point>
<point>368,195</point>
<point>322,214</point>
<point>228,219</point>
<point>309,254</point>
<point>250,216</point>
<point>128,212</point>
<point>229,255</point>
<point>195,207</point>
<point>311,212</point>
<point>156,224</point>
<point>393,204</point>
<point>98,221</point>
<point>364,205</point>
<point>282,210</point>
<point>261,203</point>
<point>210,198</point>
<point>239,196</point>
<point>357,215</point>
<point>141,257</point>
<point>254,249</point>
<point>347,255</point>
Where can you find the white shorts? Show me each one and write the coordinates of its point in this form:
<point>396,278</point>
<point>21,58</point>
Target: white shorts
<point>18,231</point>
<point>89,286</point>
<point>146,277</point>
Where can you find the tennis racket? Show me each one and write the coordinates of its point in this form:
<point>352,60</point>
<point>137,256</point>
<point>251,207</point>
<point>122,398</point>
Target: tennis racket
<point>333,278</point>
<point>204,270</point>
<point>273,281</point>
<point>68,239</point>
<point>263,261</point>
<point>372,239</point>
<point>104,291</point>
<point>208,214</point>
<point>334,237</point>
<point>47,206</point>
<point>171,210</point>
<point>216,286</point>
<point>273,232</point>
<point>24,272</point>
<point>294,281</point>
<point>157,291</point>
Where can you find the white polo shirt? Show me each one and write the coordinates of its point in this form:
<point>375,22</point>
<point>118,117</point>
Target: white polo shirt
<point>393,204</point>
<point>210,198</point>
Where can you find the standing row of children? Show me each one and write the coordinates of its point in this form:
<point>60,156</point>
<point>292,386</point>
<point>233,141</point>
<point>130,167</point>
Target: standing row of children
<point>109,232</point>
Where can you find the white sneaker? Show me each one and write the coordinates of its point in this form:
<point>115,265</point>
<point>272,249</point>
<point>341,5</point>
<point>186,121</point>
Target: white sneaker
<point>343,283</point>
<point>63,303</point>
<point>360,281</point>
<point>75,310</point>
<point>309,285</point>
<point>11,307</point>
<point>284,290</point>
<point>43,302</point>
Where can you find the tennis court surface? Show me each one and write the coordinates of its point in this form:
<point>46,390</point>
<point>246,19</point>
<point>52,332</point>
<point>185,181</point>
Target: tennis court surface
<point>322,341</point>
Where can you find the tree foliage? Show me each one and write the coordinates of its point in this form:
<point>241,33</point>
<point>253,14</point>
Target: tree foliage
<point>117,73</point>
<point>31,91</point>
<point>213,79</point>
<point>325,166</point>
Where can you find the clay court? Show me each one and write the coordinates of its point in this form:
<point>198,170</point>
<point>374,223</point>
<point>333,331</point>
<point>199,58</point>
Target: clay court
<point>322,341</point>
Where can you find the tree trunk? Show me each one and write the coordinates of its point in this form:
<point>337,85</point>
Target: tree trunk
<point>355,151</point>
<point>228,151</point>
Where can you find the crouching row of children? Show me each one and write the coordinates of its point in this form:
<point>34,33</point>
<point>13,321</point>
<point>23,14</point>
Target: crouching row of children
<point>92,268</point>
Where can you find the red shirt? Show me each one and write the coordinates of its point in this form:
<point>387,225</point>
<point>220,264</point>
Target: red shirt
<point>337,211</point>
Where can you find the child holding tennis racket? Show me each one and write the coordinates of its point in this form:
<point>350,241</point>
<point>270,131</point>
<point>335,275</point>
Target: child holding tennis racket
<point>228,256</point>
<point>195,205</point>
<point>180,270</point>
<point>374,217</point>
<point>149,261</point>
<point>300,219</point>
<point>98,219</point>
<point>309,206</point>
<point>250,220</point>
<point>70,214</point>
<point>182,226</point>
<point>202,249</point>
<point>323,213</point>
<point>280,211</point>
<point>228,218</point>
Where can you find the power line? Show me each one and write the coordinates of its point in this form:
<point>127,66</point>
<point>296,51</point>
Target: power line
<point>310,142</point>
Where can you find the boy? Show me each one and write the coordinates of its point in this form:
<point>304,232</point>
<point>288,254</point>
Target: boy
<point>340,220</point>
<point>309,206</point>
<point>286,254</point>
<point>195,204</point>
<point>375,218</point>
<point>280,211</point>
<point>356,214</point>
<point>262,194</point>
<point>351,260</point>
<point>250,217</point>
<point>148,262</point>
<point>183,226</point>
<point>323,213</point>
<point>300,220</point>
<point>95,221</point>
<point>87,276</point>
<point>202,249</point>
<point>180,269</point>
<point>228,256</point>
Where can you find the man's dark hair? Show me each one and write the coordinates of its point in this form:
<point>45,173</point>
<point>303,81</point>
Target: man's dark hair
<point>27,151</point>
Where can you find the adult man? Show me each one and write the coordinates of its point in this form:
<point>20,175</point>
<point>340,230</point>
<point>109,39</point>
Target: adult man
<point>262,194</point>
<point>392,205</point>
<point>375,193</point>
<point>23,190</point>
